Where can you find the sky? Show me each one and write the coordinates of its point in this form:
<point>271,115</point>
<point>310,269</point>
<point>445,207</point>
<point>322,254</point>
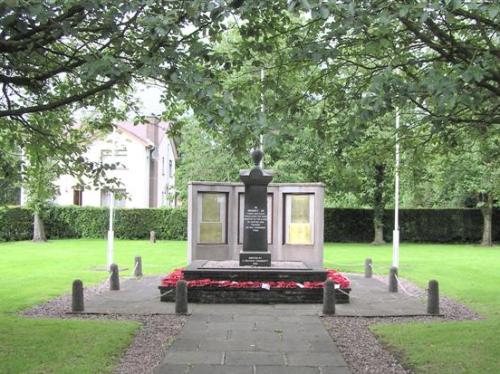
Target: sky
<point>148,97</point>
<point>148,100</point>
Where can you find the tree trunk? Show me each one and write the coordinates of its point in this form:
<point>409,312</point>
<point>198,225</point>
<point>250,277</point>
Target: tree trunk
<point>378,205</point>
<point>38,229</point>
<point>487,211</point>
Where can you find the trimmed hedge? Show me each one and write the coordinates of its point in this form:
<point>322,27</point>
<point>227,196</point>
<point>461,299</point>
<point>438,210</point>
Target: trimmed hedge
<point>88,222</point>
<point>416,225</point>
<point>15,224</point>
<point>341,225</point>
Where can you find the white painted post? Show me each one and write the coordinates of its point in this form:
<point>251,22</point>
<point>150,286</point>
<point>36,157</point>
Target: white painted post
<point>111,233</point>
<point>395,232</point>
<point>262,109</point>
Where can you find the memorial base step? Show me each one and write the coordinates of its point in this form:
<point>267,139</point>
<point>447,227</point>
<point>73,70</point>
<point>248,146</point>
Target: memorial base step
<point>218,295</point>
<point>296,271</point>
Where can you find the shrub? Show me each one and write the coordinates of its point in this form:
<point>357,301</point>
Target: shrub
<point>89,222</point>
<point>416,225</point>
<point>341,225</point>
<point>16,224</point>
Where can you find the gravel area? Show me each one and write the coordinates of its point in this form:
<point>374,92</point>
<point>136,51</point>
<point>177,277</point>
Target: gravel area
<point>364,353</point>
<point>149,345</point>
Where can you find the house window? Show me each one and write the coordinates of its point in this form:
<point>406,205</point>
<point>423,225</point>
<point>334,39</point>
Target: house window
<point>121,151</point>
<point>106,156</point>
<point>119,156</point>
<point>77,197</point>
<point>241,210</point>
<point>163,166</point>
<point>170,168</point>
<point>119,198</point>
<point>212,217</point>
<point>299,218</point>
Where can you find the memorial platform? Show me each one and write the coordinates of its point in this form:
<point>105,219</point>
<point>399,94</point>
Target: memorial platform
<point>297,271</point>
<point>279,271</point>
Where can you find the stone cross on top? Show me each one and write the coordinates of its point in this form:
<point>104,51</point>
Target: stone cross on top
<point>255,251</point>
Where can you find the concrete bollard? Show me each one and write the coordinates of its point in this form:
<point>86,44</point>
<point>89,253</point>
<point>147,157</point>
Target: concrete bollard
<point>433,297</point>
<point>138,266</point>
<point>393,280</point>
<point>114,279</point>
<point>77,296</point>
<point>181,297</point>
<point>368,268</point>
<point>329,297</point>
<point>152,237</point>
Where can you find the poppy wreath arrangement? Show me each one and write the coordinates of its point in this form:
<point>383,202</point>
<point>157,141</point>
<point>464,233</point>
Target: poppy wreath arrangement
<point>171,280</point>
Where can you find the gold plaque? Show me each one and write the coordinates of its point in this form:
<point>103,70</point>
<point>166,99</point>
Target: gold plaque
<point>300,233</point>
<point>211,232</point>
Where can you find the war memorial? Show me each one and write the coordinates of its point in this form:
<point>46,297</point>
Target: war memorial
<point>255,242</point>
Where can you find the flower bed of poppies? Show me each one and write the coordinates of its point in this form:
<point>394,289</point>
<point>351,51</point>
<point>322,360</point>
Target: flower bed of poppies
<point>171,280</point>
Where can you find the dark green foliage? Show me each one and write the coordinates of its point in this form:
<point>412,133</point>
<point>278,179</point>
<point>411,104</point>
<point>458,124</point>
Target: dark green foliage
<point>15,224</point>
<point>89,222</point>
<point>341,225</point>
<point>348,225</point>
<point>416,225</point>
<point>9,194</point>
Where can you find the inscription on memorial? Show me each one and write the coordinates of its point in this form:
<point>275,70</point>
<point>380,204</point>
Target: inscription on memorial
<point>255,219</point>
<point>255,259</point>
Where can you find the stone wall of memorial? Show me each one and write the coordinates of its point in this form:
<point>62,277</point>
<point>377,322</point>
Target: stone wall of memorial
<point>294,221</point>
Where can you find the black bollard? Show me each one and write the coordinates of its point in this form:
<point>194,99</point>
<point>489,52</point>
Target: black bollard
<point>329,297</point>
<point>181,297</point>
<point>77,296</point>
<point>433,297</point>
<point>114,279</point>
<point>152,237</point>
<point>138,266</point>
<point>393,280</point>
<point>368,268</point>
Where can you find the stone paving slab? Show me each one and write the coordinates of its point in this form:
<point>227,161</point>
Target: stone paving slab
<point>258,369</point>
<point>286,370</point>
<point>240,346</point>
<point>194,357</point>
<point>369,298</point>
<point>254,358</point>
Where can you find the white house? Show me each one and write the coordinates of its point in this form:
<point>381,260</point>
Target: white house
<point>146,157</point>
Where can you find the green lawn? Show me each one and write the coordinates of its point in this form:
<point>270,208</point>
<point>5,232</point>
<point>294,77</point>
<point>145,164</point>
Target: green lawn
<point>31,273</point>
<point>470,274</point>
<point>34,272</point>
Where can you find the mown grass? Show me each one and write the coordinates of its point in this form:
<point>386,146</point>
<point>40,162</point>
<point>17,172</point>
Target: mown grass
<point>32,273</point>
<point>467,273</point>
<point>61,346</point>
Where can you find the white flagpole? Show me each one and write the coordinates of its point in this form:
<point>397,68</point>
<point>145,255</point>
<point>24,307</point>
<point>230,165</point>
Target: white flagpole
<point>261,139</point>
<point>111,233</point>
<point>395,232</point>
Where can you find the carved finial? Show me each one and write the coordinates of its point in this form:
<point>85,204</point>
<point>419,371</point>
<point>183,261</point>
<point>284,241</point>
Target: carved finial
<point>257,155</point>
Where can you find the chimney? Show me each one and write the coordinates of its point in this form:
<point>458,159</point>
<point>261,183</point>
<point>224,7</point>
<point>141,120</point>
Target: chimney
<point>152,129</point>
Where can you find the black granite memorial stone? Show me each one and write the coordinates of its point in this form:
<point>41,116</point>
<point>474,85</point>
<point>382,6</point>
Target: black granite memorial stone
<point>255,251</point>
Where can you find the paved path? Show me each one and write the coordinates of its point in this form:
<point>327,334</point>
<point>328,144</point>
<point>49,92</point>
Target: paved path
<point>369,298</point>
<point>253,339</point>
